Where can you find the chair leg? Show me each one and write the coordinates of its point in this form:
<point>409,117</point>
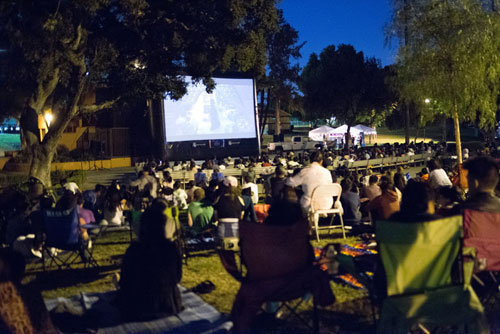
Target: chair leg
<point>342,224</point>
<point>316,225</point>
<point>331,224</point>
<point>315,317</point>
<point>43,259</point>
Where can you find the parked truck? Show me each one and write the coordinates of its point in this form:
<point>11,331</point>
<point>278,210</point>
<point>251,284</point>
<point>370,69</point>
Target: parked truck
<point>297,143</point>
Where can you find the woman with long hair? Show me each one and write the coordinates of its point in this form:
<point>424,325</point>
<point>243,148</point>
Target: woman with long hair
<point>151,269</point>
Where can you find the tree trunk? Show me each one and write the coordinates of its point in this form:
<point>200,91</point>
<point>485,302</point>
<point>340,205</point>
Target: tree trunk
<point>444,130</point>
<point>42,155</point>
<point>457,134</point>
<point>407,124</point>
<point>348,137</point>
<point>265,112</point>
<point>278,119</point>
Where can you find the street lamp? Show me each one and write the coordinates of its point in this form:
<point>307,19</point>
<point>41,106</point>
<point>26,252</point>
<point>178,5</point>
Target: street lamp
<point>48,117</point>
<point>427,101</point>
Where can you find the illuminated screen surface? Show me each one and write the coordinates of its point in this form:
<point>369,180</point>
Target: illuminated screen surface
<point>226,113</point>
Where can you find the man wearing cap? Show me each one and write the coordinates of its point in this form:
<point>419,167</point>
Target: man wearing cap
<point>309,178</point>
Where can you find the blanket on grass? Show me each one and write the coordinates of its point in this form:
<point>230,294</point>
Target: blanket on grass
<point>197,316</point>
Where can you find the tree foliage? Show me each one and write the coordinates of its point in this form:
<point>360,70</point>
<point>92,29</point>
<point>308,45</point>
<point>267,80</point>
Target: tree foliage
<point>342,83</point>
<point>451,56</point>
<point>280,81</point>
<point>59,52</point>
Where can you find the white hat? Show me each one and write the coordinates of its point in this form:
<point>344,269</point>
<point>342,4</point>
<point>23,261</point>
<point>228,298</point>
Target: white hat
<point>230,181</point>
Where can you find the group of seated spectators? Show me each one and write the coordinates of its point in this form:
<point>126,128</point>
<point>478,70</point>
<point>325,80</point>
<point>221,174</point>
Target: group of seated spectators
<point>152,267</point>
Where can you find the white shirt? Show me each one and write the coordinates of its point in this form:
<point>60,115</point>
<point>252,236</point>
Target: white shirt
<point>255,191</point>
<point>439,178</point>
<point>71,186</point>
<point>309,178</point>
<point>180,196</point>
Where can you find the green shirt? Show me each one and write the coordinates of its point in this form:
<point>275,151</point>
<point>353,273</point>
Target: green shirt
<point>201,213</point>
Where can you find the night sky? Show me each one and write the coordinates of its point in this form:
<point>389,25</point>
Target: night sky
<point>356,22</point>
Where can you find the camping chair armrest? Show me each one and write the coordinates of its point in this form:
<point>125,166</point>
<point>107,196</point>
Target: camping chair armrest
<point>470,263</point>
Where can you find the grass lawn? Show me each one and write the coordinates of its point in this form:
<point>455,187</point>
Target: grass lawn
<point>350,314</point>
<point>10,142</point>
<point>351,304</point>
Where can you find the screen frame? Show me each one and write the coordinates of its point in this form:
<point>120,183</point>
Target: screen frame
<point>255,113</point>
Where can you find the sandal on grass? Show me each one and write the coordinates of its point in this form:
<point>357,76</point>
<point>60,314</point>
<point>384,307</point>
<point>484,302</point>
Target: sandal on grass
<point>204,287</point>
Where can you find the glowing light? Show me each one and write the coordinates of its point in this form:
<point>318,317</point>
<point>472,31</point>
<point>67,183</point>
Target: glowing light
<point>48,118</point>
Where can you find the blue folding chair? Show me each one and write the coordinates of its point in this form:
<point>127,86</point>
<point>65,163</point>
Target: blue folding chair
<point>63,242</point>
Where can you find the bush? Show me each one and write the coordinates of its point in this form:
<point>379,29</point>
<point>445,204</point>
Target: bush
<point>21,157</point>
<point>62,154</point>
<point>77,176</point>
<point>79,154</point>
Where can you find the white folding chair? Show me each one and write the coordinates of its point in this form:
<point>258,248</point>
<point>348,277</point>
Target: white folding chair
<point>317,208</point>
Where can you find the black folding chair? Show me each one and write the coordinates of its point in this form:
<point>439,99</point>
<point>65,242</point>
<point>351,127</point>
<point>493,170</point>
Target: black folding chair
<point>278,270</point>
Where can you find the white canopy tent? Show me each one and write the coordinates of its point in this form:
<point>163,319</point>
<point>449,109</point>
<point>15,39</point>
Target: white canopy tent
<point>320,133</point>
<point>342,130</point>
<point>365,129</point>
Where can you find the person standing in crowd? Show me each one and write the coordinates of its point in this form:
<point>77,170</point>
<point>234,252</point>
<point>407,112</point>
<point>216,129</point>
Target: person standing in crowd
<point>309,178</point>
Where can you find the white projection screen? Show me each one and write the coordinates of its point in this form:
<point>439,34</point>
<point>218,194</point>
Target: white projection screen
<point>226,113</point>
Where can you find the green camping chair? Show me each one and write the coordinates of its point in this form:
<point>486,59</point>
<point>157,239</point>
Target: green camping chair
<point>426,284</point>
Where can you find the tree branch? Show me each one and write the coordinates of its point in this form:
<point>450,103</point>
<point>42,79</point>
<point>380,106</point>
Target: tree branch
<point>44,90</point>
<point>96,107</point>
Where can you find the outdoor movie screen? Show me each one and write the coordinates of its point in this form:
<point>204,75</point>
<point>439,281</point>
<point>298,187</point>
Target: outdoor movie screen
<point>226,113</point>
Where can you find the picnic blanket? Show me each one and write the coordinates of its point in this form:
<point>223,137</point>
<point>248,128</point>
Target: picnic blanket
<point>197,317</point>
<point>355,251</point>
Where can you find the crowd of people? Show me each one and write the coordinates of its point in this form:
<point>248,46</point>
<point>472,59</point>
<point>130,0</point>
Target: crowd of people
<point>152,267</point>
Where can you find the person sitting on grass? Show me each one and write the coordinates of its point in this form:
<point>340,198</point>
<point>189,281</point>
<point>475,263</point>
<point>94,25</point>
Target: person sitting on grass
<point>151,270</point>
<point>384,205</point>
<point>229,208</point>
<point>200,214</point>
<point>437,176</point>
<point>113,207</point>
<point>254,190</point>
<point>276,184</point>
<point>417,204</point>
<point>180,196</point>
<point>372,190</point>
<point>85,214</point>
<point>351,202</point>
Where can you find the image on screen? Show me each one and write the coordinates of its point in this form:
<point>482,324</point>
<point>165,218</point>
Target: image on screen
<point>226,113</point>
<point>10,135</point>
